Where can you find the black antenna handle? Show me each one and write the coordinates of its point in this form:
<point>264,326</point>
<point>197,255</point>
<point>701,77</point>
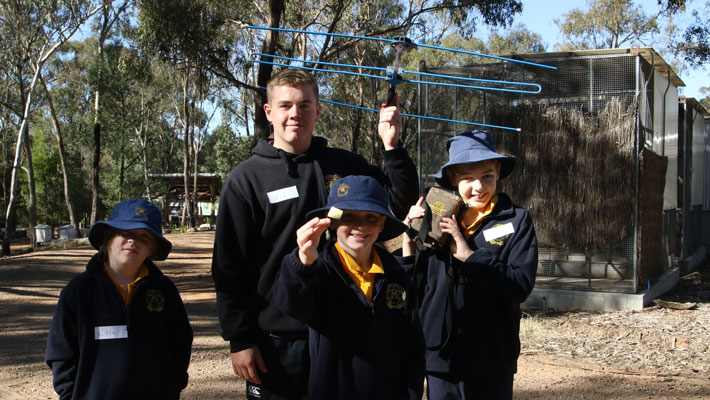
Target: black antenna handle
<point>391,92</point>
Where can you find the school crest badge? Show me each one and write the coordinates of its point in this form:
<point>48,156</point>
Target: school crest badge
<point>343,190</point>
<point>154,300</point>
<point>395,296</point>
<point>330,179</point>
<point>140,212</point>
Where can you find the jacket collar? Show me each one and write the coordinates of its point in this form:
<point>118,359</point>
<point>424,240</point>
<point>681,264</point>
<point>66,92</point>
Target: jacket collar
<point>96,267</point>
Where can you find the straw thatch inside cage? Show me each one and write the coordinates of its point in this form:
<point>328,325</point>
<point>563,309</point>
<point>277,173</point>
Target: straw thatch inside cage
<point>574,171</point>
<point>650,252</point>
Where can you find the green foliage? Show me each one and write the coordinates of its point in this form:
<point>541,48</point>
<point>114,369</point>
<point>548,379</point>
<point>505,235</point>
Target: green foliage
<point>49,184</point>
<point>705,101</point>
<point>179,229</point>
<point>515,41</point>
<point>607,24</point>
<point>695,45</point>
<point>227,150</point>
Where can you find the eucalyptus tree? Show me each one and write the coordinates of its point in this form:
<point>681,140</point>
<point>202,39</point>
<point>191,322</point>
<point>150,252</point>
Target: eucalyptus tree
<point>69,108</point>
<point>609,24</point>
<point>695,43</point>
<point>61,155</point>
<point>517,40</point>
<point>705,101</point>
<point>125,119</point>
<point>109,16</point>
<point>227,149</point>
<point>35,30</point>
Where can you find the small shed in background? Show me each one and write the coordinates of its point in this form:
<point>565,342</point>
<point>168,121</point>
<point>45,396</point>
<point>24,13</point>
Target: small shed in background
<point>171,196</point>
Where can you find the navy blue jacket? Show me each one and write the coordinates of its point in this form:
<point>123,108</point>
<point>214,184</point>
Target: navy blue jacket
<point>358,350</point>
<point>264,200</point>
<point>151,363</point>
<point>471,322</point>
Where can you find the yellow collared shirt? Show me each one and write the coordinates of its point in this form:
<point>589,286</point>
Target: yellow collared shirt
<point>364,280</point>
<point>127,290</point>
<point>468,230</point>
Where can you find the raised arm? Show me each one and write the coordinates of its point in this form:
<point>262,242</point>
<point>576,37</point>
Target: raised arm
<point>399,167</point>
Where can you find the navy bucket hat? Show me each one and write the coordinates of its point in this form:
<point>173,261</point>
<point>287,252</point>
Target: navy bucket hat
<point>134,214</point>
<point>471,147</point>
<point>362,193</point>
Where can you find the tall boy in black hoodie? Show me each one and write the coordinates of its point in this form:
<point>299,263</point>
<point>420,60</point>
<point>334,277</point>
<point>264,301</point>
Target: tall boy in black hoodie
<point>263,202</point>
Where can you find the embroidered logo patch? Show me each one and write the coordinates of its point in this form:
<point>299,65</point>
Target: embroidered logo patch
<point>343,190</point>
<point>395,296</point>
<point>254,391</point>
<point>140,212</point>
<point>154,300</point>
<point>330,179</point>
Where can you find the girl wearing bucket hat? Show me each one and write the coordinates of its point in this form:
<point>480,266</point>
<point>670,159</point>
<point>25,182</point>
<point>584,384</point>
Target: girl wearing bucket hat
<point>472,290</point>
<point>357,300</point>
<point>120,329</point>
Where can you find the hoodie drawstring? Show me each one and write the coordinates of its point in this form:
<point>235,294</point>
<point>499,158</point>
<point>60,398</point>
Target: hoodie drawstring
<point>290,167</point>
<point>322,190</point>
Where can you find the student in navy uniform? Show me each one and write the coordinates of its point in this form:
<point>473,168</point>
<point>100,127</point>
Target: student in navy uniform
<point>365,338</point>
<point>470,309</point>
<point>263,202</point>
<point>120,330</point>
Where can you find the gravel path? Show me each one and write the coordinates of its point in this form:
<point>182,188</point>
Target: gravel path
<point>657,353</point>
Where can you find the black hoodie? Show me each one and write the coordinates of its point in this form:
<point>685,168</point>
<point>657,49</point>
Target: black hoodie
<point>263,202</point>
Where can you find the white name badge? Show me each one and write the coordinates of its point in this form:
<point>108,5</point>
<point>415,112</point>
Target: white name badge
<point>111,332</point>
<point>284,194</point>
<point>498,231</point>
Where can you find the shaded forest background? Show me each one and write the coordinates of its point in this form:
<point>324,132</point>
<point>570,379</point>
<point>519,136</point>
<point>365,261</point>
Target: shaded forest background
<point>97,97</point>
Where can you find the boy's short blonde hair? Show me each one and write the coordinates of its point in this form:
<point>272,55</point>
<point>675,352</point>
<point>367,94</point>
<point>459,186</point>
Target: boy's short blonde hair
<point>291,77</point>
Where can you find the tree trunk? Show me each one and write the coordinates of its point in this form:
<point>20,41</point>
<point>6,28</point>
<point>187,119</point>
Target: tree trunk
<point>261,124</point>
<point>95,172</point>
<point>141,133</point>
<point>10,219</point>
<point>195,194</point>
<point>121,177</point>
<point>32,203</point>
<point>145,170</point>
<point>187,212</point>
<point>10,212</point>
<point>96,164</point>
<point>62,160</point>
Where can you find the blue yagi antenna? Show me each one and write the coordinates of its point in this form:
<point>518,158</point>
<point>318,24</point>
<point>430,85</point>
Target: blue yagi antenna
<point>394,78</point>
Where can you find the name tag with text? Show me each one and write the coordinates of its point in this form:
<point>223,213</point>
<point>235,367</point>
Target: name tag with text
<point>111,332</point>
<point>498,231</point>
<point>284,194</point>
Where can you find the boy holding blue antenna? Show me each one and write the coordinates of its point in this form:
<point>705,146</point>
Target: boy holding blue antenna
<point>264,200</point>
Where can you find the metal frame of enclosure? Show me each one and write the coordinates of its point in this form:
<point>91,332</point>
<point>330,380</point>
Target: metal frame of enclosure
<point>587,81</point>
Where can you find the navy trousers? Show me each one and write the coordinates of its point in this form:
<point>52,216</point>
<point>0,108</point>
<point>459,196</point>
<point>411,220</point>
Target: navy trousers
<point>447,387</point>
<point>288,363</point>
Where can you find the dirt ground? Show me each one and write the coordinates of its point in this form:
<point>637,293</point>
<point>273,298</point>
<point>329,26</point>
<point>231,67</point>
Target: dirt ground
<point>657,353</point>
